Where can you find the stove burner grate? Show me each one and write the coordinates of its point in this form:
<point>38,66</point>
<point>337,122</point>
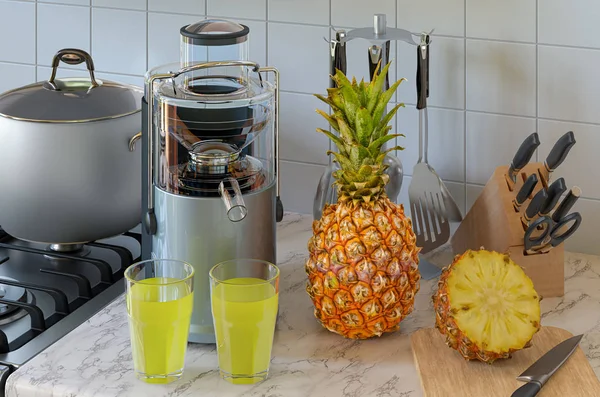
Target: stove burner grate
<point>11,293</point>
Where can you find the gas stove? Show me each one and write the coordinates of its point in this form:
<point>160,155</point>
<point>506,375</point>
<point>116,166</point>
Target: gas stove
<point>46,293</point>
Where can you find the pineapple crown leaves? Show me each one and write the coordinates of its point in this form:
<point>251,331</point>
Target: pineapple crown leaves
<point>358,118</point>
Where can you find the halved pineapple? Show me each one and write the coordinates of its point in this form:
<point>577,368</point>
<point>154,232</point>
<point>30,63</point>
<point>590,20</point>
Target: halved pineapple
<point>486,306</point>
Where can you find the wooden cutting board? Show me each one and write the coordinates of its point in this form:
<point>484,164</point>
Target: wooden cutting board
<point>444,372</point>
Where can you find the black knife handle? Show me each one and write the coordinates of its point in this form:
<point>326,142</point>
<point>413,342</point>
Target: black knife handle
<point>525,191</point>
<point>536,203</point>
<point>423,72</point>
<point>523,155</point>
<point>555,190</point>
<point>565,206</point>
<point>529,389</point>
<point>559,151</point>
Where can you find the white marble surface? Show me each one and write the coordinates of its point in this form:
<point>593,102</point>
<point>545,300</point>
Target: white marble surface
<point>95,359</point>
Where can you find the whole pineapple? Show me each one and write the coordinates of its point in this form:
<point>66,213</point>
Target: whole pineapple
<point>486,306</point>
<point>363,264</point>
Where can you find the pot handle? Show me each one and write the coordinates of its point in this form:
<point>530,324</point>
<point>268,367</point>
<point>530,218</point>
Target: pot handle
<point>72,56</point>
<point>133,140</point>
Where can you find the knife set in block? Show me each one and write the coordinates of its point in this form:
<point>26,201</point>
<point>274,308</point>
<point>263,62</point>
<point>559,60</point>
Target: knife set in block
<point>520,212</point>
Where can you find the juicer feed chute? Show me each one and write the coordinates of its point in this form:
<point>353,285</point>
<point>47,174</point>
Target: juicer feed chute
<point>211,151</point>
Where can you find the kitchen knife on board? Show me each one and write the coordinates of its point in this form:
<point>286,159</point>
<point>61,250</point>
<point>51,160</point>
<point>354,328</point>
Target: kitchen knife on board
<point>522,157</point>
<point>565,206</point>
<point>533,208</point>
<point>557,155</point>
<point>525,191</point>
<point>539,372</point>
<point>555,191</point>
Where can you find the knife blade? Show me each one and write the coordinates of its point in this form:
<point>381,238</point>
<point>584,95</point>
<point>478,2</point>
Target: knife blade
<point>557,155</point>
<point>555,191</point>
<point>534,207</point>
<point>539,372</point>
<point>522,157</point>
<point>525,191</point>
<point>565,206</point>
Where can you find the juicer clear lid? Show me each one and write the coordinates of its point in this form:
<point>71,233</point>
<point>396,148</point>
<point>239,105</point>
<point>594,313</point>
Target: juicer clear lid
<point>215,86</point>
<point>215,32</point>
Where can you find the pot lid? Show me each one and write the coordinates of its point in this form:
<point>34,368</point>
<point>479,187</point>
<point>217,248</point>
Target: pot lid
<point>215,32</point>
<point>73,99</point>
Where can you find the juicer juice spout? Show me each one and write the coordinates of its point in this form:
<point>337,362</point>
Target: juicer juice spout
<point>234,204</point>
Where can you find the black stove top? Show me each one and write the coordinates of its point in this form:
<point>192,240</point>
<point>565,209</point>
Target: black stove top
<point>45,294</point>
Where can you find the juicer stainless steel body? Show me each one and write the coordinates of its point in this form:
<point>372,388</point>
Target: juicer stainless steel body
<point>201,229</point>
<point>185,231</point>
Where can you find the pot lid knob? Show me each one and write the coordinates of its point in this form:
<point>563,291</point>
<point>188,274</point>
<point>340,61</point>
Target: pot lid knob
<point>70,56</point>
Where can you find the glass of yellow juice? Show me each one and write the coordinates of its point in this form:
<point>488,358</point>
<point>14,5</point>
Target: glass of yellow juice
<point>160,295</point>
<point>244,299</point>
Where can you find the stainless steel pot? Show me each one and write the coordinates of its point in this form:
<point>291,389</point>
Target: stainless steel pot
<point>69,168</point>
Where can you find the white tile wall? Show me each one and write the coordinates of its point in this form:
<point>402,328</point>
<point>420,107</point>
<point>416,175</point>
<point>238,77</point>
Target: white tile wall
<point>501,77</point>
<point>299,139</point>
<point>446,74</point>
<point>359,13</point>
<point>504,20</point>
<point>194,7</point>
<point>119,40</point>
<point>573,22</point>
<point>569,84</point>
<point>15,75</point>
<point>492,140</point>
<point>254,9</point>
<point>305,11</point>
<point>52,36</point>
<point>499,71</point>
<point>17,32</point>
<point>417,16</point>
<point>129,4</point>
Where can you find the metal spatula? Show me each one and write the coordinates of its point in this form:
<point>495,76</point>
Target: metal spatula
<point>425,193</point>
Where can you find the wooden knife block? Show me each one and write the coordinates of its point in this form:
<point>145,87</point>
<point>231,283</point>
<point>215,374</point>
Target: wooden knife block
<point>493,223</point>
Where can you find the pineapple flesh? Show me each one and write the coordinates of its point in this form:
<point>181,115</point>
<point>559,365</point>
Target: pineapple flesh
<point>363,260</point>
<point>486,306</point>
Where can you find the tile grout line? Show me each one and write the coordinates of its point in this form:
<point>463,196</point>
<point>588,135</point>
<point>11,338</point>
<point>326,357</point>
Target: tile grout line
<point>267,32</point>
<point>91,28</point>
<point>465,108</point>
<point>147,35</point>
<point>35,47</point>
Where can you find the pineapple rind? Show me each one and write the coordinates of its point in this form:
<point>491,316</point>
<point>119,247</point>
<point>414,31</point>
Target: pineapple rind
<point>486,306</point>
<point>361,285</point>
<point>363,260</point>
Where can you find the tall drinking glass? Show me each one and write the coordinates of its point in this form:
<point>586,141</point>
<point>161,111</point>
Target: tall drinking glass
<point>160,296</point>
<point>244,298</point>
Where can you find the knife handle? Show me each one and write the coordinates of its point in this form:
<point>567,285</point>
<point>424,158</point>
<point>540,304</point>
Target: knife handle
<point>565,206</point>
<point>555,190</point>
<point>525,191</point>
<point>423,71</point>
<point>559,151</point>
<point>523,155</point>
<point>534,207</point>
<point>529,389</point>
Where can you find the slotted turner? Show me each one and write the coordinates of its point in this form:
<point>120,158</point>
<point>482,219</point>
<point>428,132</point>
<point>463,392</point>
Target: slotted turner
<point>425,193</point>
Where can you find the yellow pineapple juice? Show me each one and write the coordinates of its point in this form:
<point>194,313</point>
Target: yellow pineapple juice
<point>159,322</point>
<point>244,312</point>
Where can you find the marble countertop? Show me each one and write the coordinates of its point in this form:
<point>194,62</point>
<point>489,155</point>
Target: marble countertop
<point>95,359</point>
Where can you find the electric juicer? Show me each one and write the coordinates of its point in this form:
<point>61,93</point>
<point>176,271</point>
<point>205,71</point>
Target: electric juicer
<point>210,158</point>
